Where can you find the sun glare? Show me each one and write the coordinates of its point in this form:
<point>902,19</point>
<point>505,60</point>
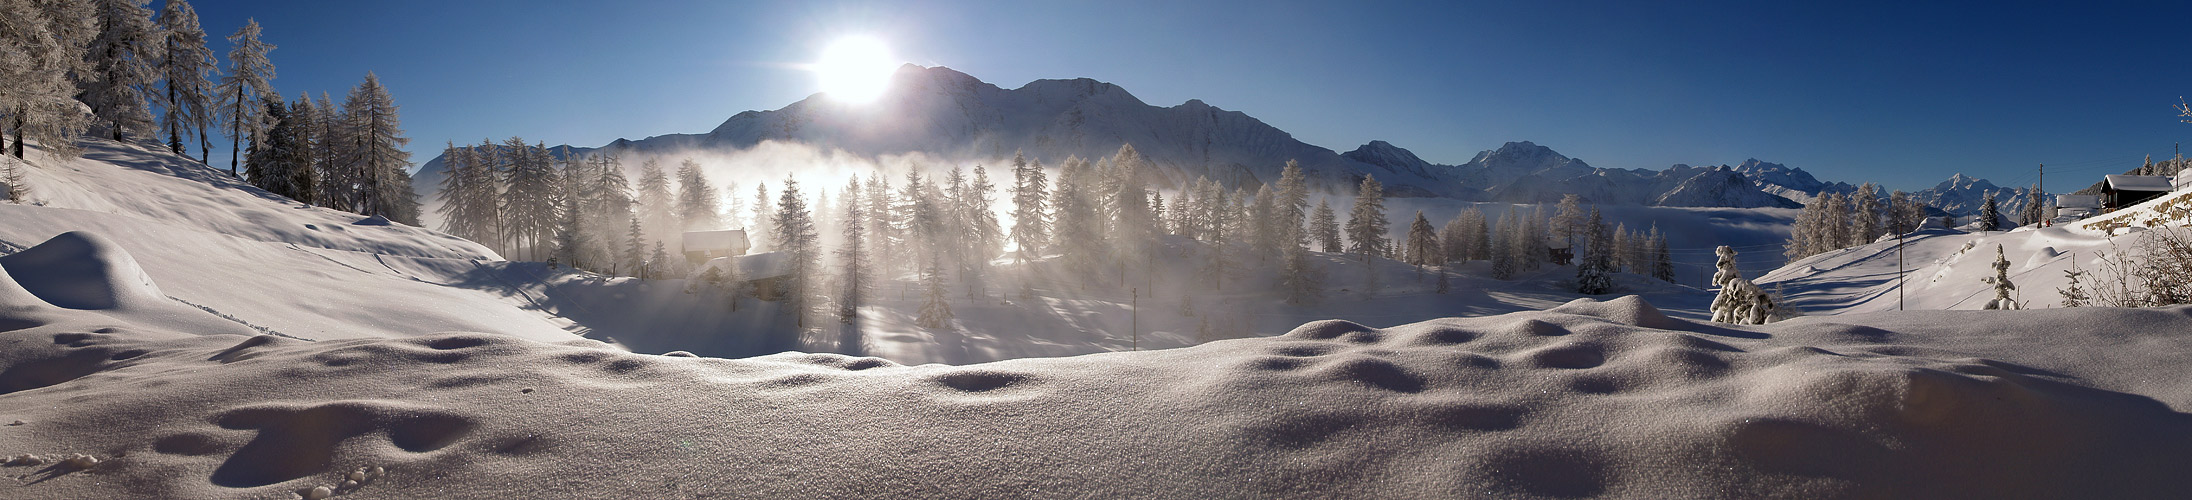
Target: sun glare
<point>855,69</point>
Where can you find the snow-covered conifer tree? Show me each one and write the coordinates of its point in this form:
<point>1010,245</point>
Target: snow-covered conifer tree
<point>1739,301</point>
<point>1366,223</point>
<point>1263,223</point>
<point>1302,279</point>
<point>1030,228</point>
<point>125,56</point>
<point>186,68</point>
<point>2074,294</point>
<point>758,235</point>
<point>1481,225</point>
<point>1454,240</point>
<point>2002,286</point>
<point>1866,221</point>
<point>1595,275</point>
<point>881,230</point>
<point>249,74</point>
<point>40,68</point>
<point>1990,217</point>
<point>2032,213</point>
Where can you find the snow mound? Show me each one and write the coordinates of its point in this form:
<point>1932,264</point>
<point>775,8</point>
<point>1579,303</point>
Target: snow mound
<point>375,220</point>
<point>1584,400</point>
<point>81,270</point>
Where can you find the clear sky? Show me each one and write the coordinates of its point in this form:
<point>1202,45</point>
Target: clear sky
<point>1902,93</point>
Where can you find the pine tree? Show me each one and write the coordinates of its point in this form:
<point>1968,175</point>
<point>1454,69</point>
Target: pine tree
<point>796,234</point>
<point>1990,217</point>
<point>44,60</point>
<point>249,72</point>
<point>853,256</point>
<point>1325,226</point>
<point>185,70</point>
<point>1366,223</point>
<point>1423,244</point>
<point>1029,229</point>
<point>125,56</point>
<point>2074,294</point>
<point>370,114</point>
<point>696,198</point>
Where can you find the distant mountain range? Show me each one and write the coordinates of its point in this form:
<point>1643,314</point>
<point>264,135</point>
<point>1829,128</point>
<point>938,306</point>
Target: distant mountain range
<point>947,115</point>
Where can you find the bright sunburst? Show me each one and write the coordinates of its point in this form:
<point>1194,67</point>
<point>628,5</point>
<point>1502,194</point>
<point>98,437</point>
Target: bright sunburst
<point>855,69</point>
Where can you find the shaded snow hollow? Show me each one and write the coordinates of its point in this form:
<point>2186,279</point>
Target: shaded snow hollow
<point>1587,399</point>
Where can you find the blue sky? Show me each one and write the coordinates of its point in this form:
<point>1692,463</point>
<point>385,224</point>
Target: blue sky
<point>1900,94</point>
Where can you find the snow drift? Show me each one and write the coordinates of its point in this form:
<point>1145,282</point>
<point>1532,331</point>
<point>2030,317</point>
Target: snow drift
<point>1585,400</point>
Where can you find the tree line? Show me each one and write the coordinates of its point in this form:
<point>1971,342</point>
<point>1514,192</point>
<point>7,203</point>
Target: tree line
<point>110,67</point>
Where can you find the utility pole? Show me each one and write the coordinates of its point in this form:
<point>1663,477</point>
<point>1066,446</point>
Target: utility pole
<point>1898,271</point>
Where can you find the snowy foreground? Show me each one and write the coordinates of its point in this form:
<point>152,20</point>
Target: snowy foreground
<point>167,333</point>
<point>1586,399</point>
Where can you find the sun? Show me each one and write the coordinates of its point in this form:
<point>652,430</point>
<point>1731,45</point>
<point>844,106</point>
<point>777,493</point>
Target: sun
<point>855,69</point>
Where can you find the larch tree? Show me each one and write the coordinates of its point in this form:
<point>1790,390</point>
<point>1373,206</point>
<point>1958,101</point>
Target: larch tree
<point>370,114</point>
<point>796,235</point>
<point>1030,229</point>
<point>529,204</point>
<point>186,68</point>
<point>125,56</point>
<point>657,203</point>
<point>1366,223</point>
<point>1454,239</point>
<point>2032,212</point>
<point>696,198</point>
<point>250,74</point>
<point>1324,226</point>
<point>1506,245</point>
<point>1423,244</point>
<point>1568,222</point>
<point>1292,204</point>
<point>935,310</point>
<point>1662,259</point>
<point>635,249</point>
<point>985,238</point>
<point>1869,212</point>
<point>852,256</point>
<point>39,71</point>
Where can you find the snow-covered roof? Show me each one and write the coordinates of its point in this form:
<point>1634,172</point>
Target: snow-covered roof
<point>753,267</point>
<point>2078,201</point>
<point>707,241</point>
<point>2139,183</point>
